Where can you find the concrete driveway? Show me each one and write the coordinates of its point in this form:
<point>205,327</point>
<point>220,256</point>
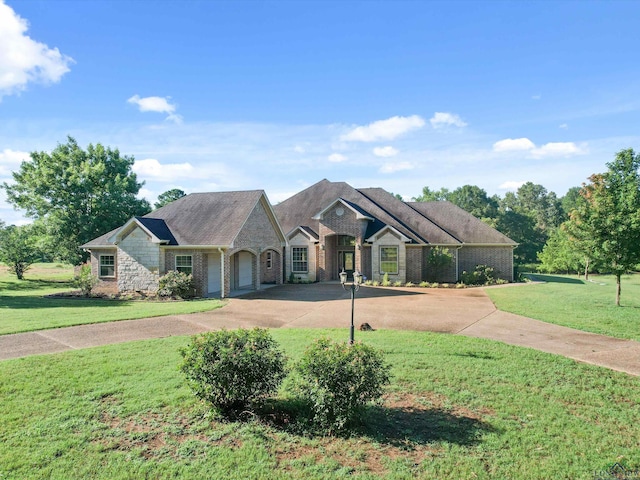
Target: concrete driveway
<point>467,312</point>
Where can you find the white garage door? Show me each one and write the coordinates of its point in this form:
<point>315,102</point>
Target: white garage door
<point>214,273</point>
<point>245,270</point>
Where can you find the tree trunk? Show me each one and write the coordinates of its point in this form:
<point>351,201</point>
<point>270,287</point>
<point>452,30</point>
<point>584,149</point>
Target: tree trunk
<point>586,270</point>
<point>618,289</point>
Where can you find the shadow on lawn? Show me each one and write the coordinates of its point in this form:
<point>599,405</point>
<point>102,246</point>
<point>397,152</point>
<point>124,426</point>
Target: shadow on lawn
<point>28,284</point>
<point>394,426</point>
<point>399,426</point>
<point>33,302</point>
<point>538,277</point>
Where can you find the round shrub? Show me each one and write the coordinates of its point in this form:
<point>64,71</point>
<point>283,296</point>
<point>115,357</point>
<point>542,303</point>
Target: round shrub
<point>338,380</point>
<point>233,370</point>
<point>176,284</point>
<point>84,280</point>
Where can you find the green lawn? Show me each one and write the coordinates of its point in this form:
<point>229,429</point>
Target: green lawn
<point>24,307</point>
<point>457,408</point>
<point>569,301</point>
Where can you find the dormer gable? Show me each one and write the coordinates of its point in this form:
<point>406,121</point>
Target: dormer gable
<point>341,203</point>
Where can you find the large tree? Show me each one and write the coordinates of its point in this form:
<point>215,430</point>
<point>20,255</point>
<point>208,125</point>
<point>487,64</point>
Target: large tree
<point>18,248</point>
<point>610,215</point>
<point>475,200</point>
<point>168,197</point>
<point>77,194</point>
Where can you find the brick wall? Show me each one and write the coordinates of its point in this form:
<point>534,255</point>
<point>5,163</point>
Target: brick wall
<point>414,263</point>
<point>105,285</point>
<point>500,258</point>
<point>331,225</point>
<point>274,273</point>
<point>199,263</point>
<point>366,261</point>
<point>445,274</point>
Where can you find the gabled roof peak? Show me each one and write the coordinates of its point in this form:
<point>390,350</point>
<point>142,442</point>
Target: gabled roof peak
<point>361,214</point>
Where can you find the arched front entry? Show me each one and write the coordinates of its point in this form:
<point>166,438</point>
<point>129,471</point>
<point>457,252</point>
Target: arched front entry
<point>340,254</point>
<point>242,272</point>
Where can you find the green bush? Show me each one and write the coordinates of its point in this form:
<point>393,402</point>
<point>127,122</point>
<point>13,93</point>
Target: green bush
<point>176,284</point>
<point>233,370</point>
<point>424,284</point>
<point>385,280</point>
<point>85,281</point>
<point>338,380</point>
<point>397,283</point>
<point>482,275</point>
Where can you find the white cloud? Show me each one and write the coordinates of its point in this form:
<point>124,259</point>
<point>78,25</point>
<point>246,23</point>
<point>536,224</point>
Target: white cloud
<point>385,151</point>
<point>536,97</point>
<point>22,59</point>
<point>299,149</point>
<point>444,119</point>
<point>551,149</point>
<point>392,167</point>
<point>511,185</point>
<point>337,158</point>
<point>156,104</point>
<point>384,129</point>
<point>153,169</point>
<point>10,161</point>
<point>513,144</point>
<point>564,126</point>
<point>558,149</point>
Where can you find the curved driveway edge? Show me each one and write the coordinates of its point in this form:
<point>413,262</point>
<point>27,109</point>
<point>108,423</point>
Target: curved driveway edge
<point>467,312</point>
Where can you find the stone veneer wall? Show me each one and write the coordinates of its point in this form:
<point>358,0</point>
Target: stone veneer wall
<point>301,240</point>
<point>138,263</point>
<point>500,258</point>
<point>389,239</point>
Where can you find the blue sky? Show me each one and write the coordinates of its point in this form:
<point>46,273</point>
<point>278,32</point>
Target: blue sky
<point>211,95</point>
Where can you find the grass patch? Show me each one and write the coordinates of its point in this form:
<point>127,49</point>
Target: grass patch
<point>458,407</point>
<point>571,302</point>
<point>24,307</point>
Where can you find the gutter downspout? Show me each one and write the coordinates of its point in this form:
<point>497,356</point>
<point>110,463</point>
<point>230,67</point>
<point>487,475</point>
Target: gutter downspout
<point>458,263</point>
<point>221,272</point>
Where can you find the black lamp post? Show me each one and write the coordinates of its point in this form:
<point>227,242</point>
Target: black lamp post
<point>353,286</point>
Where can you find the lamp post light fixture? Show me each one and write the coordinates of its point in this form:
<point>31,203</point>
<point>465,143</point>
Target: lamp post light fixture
<point>353,287</point>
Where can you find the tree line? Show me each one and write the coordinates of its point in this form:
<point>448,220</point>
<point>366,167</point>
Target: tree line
<point>75,194</point>
<point>595,227</point>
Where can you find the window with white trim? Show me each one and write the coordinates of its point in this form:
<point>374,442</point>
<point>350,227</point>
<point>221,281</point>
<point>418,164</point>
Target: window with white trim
<point>184,264</point>
<point>389,260</point>
<point>299,259</point>
<point>107,265</point>
<point>269,260</point>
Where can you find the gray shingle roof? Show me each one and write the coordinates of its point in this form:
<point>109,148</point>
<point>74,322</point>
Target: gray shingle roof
<point>460,223</point>
<point>198,219</point>
<point>376,202</point>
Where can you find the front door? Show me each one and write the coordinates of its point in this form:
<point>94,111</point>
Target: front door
<point>347,263</point>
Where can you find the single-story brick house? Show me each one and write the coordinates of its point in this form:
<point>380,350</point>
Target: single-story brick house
<point>237,240</point>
